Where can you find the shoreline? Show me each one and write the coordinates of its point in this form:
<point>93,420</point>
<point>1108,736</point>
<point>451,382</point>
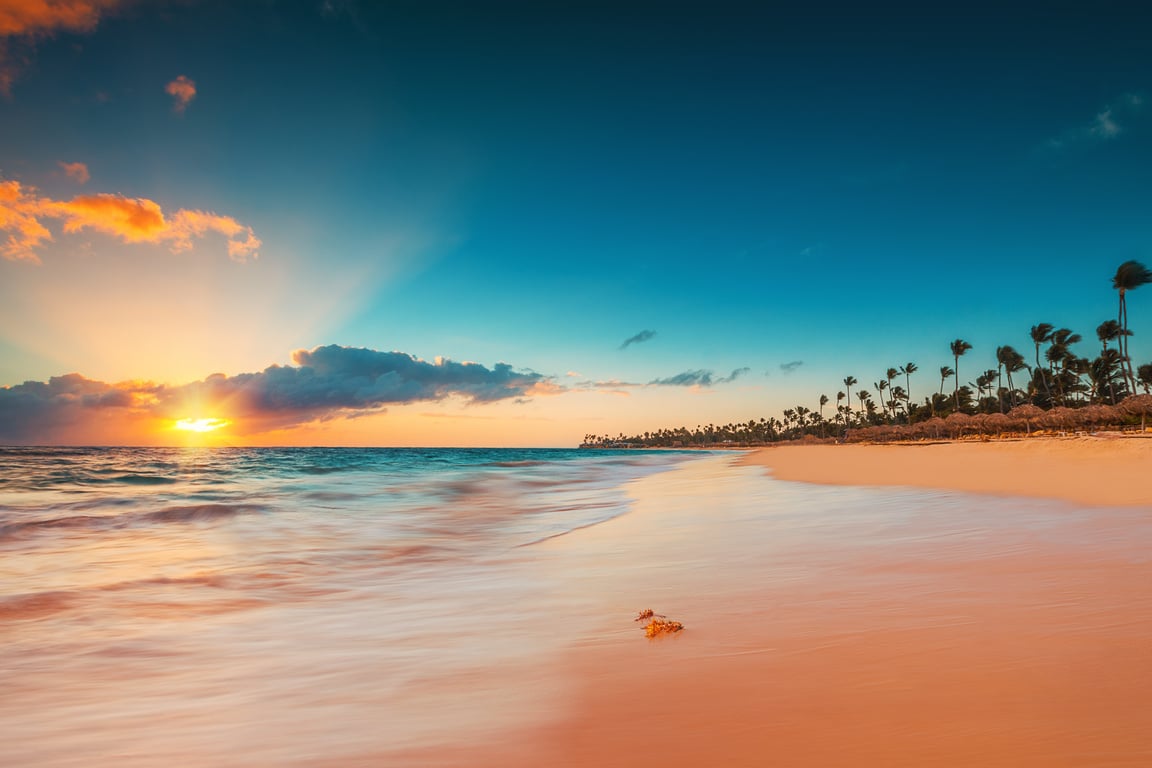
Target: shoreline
<point>829,627</point>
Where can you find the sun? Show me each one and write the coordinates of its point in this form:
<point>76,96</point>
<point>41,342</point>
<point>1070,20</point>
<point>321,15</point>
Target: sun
<point>201,425</point>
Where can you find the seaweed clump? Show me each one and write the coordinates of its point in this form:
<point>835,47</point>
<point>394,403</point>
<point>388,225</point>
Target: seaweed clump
<point>658,623</point>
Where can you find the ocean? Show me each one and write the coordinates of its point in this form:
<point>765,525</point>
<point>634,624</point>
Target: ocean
<point>257,607</point>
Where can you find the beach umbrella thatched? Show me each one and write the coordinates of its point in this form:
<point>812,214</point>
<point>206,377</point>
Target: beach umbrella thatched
<point>1093,415</point>
<point>1026,413</point>
<point>958,421</point>
<point>1058,417</point>
<point>997,422</point>
<point>1138,404</point>
<point>933,426</point>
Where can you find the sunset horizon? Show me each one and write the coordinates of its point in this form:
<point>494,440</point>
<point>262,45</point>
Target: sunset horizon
<point>547,223</point>
<point>582,383</point>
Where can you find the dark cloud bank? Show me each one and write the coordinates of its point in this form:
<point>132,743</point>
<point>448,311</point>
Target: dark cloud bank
<point>325,382</point>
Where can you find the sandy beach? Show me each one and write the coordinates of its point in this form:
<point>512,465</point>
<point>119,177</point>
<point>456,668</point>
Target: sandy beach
<point>832,625</point>
<point>1106,470</point>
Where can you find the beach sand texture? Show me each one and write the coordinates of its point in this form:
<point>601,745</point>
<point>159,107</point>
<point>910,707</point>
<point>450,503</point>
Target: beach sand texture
<point>883,627</point>
<point>1106,470</point>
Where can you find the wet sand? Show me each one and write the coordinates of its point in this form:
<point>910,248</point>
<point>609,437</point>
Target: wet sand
<point>839,626</point>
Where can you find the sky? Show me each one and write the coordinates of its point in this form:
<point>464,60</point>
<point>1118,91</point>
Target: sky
<point>517,223</point>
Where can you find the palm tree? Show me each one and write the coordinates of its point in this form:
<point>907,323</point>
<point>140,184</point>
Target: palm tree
<point>849,382</point>
<point>1041,334</point>
<point>908,369</point>
<point>1103,370</point>
<point>1000,377</point>
<point>899,396</point>
<point>880,387</point>
<point>1013,362</point>
<point>1107,331</point>
<point>959,347</point>
<point>863,395</point>
<point>891,374</point>
<point>1059,354</point>
<point>801,412</point>
<point>985,381</point>
<point>1129,276</point>
<point>945,372</point>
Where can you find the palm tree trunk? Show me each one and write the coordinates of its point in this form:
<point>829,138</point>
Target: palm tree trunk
<point>908,394</point>
<point>1047,389</point>
<point>1122,345</point>
<point>1000,385</point>
<point>956,384</point>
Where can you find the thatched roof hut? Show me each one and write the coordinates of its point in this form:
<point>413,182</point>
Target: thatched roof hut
<point>958,421</point>
<point>1137,404</point>
<point>1058,417</point>
<point>1027,414</point>
<point>997,422</point>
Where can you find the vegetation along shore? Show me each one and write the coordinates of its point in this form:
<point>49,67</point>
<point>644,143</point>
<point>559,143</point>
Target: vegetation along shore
<point>1052,389</point>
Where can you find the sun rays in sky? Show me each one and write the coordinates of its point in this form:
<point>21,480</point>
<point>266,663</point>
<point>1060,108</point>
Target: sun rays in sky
<point>474,223</point>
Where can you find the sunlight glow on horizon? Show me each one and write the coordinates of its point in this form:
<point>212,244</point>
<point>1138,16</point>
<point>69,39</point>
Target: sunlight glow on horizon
<point>201,425</point>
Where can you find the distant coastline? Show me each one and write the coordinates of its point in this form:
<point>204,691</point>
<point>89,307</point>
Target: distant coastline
<point>1061,393</point>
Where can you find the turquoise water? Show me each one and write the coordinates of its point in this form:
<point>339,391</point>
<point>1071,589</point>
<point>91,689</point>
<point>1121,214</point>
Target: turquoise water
<point>259,606</point>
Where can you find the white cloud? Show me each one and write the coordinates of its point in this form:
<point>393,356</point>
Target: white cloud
<point>1108,123</point>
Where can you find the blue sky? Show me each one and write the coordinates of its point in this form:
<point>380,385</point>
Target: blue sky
<point>845,187</point>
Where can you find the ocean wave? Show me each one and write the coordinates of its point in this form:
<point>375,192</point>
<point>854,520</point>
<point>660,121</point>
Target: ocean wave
<point>524,463</point>
<point>135,479</point>
<point>209,580</point>
<point>196,513</point>
<point>160,597</point>
<point>34,605</point>
<point>320,470</point>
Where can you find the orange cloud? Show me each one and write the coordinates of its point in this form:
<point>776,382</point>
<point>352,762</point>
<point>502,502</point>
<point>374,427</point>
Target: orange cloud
<point>132,220</point>
<point>19,219</point>
<point>23,22</point>
<point>183,90</point>
<point>78,172</point>
<point>242,241</point>
<point>43,17</point>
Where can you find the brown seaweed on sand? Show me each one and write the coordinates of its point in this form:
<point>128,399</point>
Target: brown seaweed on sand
<point>658,623</point>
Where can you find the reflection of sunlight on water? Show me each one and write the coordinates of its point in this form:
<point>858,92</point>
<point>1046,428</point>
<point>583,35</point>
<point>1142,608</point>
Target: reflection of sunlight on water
<point>232,609</point>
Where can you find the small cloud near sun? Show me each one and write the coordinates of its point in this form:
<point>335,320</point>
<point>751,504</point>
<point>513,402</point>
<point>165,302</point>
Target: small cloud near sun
<point>78,172</point>
<point>182,90</point>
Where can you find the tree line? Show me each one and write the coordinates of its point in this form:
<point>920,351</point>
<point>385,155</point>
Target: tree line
<point>1050,387</point>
